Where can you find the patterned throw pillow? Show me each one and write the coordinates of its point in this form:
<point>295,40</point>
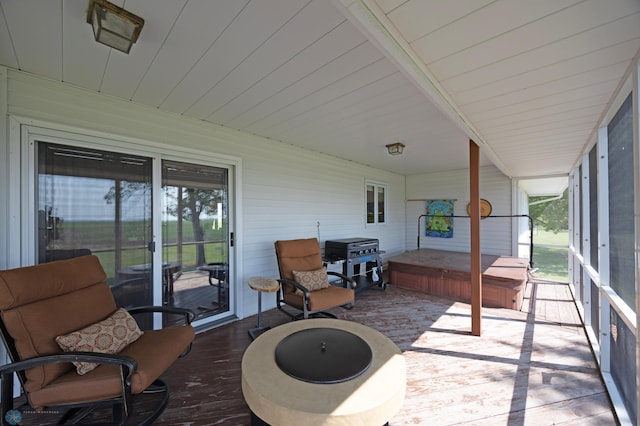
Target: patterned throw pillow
<point>108,336</point>
<point>312,280</point>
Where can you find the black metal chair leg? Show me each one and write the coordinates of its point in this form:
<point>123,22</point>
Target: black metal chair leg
<point>253,333</point>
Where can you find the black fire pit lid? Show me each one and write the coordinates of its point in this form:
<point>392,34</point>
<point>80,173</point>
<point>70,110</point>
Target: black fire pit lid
<point>323,355</point>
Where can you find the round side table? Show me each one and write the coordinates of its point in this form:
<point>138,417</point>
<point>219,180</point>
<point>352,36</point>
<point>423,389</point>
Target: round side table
<point>261,285</point>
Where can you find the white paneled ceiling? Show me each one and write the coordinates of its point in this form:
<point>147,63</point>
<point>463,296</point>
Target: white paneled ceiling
<point>529,81</point>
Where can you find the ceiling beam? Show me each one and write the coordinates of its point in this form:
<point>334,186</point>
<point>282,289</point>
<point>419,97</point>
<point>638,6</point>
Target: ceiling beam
<point>367,16</point>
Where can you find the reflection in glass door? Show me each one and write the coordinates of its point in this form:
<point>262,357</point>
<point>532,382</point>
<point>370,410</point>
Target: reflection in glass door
<point>98,202</point>
<point>195,230</point>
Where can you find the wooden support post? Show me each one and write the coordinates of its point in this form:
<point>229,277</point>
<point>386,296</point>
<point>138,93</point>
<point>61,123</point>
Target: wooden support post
<point>474,213</point>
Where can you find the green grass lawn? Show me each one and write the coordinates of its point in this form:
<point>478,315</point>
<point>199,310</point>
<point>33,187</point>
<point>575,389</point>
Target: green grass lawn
<point>99,237</point>
<point>542,236</point>
<point>552,262</point>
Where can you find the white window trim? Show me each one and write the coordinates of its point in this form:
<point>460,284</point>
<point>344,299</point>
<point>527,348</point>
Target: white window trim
<point>23,129</point>
<point>376,184</point>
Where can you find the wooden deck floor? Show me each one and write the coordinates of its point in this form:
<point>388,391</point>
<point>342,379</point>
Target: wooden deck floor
<point>532,367</point>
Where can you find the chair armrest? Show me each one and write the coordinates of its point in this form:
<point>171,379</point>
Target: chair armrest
<point>128,363</point>
<point>188,314</point>
<point>347,282</point>
<point>305,291</point>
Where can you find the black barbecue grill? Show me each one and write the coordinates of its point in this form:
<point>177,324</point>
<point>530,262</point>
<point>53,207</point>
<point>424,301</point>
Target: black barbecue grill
<point>353,253</point>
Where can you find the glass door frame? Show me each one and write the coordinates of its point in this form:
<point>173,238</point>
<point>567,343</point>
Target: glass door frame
<point>230,210</point>
<point>23,137</point>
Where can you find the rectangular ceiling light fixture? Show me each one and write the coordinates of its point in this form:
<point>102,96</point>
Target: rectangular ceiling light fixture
<point>395,148</point>
<point>113,26</point>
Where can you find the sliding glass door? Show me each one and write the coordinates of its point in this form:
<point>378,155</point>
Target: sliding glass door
<point>95,201</point>
<point>195,232</point>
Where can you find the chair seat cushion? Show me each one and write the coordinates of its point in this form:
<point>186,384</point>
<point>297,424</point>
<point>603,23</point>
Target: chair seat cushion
<point>320,299</point>
<point>154,352</point>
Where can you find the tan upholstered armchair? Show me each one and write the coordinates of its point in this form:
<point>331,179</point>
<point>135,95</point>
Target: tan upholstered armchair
<point>67,304</point>
<point>304,283</point>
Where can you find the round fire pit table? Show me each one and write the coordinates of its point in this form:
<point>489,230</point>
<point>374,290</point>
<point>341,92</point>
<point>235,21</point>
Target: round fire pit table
<point>278,398</point>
